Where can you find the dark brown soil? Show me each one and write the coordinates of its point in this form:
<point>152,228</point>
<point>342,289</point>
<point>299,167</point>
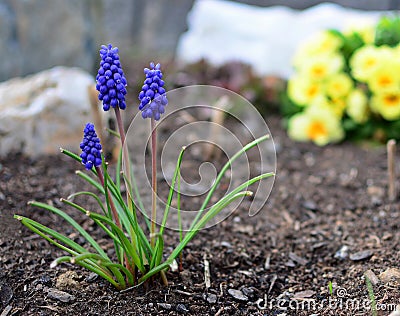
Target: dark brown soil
<point>323,199</point>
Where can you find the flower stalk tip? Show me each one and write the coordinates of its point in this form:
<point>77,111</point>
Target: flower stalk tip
<point>91,148</point>
<point>152,97</point>
<point>110,80</point>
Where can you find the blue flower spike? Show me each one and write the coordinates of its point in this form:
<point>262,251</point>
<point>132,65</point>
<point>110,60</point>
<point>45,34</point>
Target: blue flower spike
<point>152,97</point>
<point>110,80</point>
<point>91,148</point>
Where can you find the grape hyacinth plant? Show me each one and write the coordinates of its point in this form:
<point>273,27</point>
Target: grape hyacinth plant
<point>91,148</point>
<point>139,252</point>
<point>152,104</point>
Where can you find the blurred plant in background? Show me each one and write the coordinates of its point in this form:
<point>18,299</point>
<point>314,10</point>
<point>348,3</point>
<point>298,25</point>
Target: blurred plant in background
<point>346,85</point>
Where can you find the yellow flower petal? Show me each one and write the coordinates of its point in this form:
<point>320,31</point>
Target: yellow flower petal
<point>303,91</point>
<point>357,106</point>
<point>387,105</point>
<point>339,85</point>
<point>319,125</point>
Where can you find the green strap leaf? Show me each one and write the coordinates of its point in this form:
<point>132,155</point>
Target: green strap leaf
<point>222,172</point>
<point>72,222</point>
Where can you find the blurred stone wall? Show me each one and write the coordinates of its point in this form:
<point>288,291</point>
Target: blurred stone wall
<point>38,34</point>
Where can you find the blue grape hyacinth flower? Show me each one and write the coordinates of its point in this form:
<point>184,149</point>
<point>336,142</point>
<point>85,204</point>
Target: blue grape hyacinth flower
<point>110,80</point>
<point>152,97</point>
<point>91,147</point>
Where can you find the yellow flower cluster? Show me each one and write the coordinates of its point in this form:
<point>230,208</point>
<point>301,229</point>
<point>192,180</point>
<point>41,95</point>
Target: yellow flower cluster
<point>379,68</point>
<point>321,87</point>
<point>329,88</point>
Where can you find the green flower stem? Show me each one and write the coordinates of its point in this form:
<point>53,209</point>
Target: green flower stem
<point>120,125</point>
<point>153,181</point>
<point>178,206</point>
<point>112,205</point>
<point>125,243</point>
<point>114,212</point>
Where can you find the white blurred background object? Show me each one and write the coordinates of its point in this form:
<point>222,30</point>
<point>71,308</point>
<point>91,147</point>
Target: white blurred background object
<point>265,38</point>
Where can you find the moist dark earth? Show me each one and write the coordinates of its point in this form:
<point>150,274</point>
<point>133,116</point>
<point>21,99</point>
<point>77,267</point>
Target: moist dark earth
<point>327,222</point>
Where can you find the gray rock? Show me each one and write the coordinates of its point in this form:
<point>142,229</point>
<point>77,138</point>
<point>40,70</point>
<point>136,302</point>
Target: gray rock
<point>41,113</point>
<point>248,291</point>
<point>372,277</point>
<point>310,205</point>
<point>342,253</point>
<point>238,295</point>
<point>60,295</point>
<point>181,308</point>
<point>361,255</point>
<point>297,259</point>
<point>390,274</point>
<point>211,298</point>
<point>165,306</point>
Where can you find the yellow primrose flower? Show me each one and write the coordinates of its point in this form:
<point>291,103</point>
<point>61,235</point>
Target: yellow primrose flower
<point>320,67</point>
<point>303,91</point>
<point>320,43</point>
<point>339,85</point>
<point>367,60</point>
<point>336,106</point>
<point>357,106</point>
<point>385,78</point>
<point>319,125</point>
<point>387,105</point>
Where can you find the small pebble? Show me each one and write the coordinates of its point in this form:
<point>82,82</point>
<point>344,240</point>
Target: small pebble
<point>225,244</point>
<point>67,281</point>
<point>297,259</point>
<point>304,294</point>
<point>390,274</point>
<point>361,255</point>
<point>39,287</point>
<point>238,295</point>
<point>211,298</point>
<point>60,295</point>
<point>181,308</point>
<point>372,277</point>
<point>91,277</point>
<point>249,292</point>
<point>165,306</point>
<point>44,279</point>
<point>342,253</point>
<point>310,205</point>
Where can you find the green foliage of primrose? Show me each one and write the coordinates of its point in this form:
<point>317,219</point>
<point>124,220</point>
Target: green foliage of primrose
<point>136,260</point>
<point>388,31</point>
